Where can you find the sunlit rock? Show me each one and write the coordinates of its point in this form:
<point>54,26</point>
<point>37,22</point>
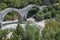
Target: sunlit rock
<point>30,20</point>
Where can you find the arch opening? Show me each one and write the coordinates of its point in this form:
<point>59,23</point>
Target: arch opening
<point>32,12</point>
<point>12,18</point>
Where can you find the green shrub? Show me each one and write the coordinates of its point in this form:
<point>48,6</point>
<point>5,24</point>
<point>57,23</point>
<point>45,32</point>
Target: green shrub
<point>3,34</point>
<point>57,18</point>
<point>39,15</point>
<point>51,28</point>
<point>48,15</point>
<point>32,32</point>
<point>45,10</point>
<point>18,34</point>
<point>50,7</point>
<point>57,36</point>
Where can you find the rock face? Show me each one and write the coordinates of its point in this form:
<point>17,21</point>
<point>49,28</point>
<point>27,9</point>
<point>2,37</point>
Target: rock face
<point>22,13</point>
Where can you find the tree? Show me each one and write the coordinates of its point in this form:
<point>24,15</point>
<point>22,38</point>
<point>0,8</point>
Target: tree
<point>13,3</point>
<point>45,10</point>
<point>3,34</point>
<point>50,7</point>
<point>57,18</point>
<point>32,32</point>
<point>57,36</point>
<point>39,15</point>
<point>54,1</point>
<point>50,30</point>
<point>3,5</point>
<point>48,15</point>
<point>18,34</point>
<point>54,12</point>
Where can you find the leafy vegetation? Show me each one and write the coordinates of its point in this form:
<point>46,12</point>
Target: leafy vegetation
<point>18,34</point>
<point>31,32</point>
<point>51,30</point>
<point>52,11</point>
<point>11,16</point>
<point>20,4</point>
<point>3,34</point>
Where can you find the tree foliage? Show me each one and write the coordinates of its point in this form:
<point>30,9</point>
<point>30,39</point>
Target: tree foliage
<point>51,29</point>
<point>3,34</point>
<point>18,34</point>
<point>32,32</point>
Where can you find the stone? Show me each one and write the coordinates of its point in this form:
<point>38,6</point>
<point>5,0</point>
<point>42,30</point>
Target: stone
<point>31,20</point>
<point>21,12</point>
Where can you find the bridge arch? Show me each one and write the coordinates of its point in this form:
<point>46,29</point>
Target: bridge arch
<point>32,12</point>
<point>6,11</point>
<point>29,7</point>
<point>22,13</point>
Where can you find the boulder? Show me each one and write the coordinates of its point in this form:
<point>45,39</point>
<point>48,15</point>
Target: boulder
<point>31,20</point>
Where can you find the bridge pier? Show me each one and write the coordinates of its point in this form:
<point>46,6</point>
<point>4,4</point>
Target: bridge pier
<point>1,24</point>
<point>20,21</point>
<point>24,18</point>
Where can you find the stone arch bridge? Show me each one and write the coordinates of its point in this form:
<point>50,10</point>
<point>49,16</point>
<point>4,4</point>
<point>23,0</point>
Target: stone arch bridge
<point>22,13</point>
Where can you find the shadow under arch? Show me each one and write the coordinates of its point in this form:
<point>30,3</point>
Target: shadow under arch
<point>32,12</point>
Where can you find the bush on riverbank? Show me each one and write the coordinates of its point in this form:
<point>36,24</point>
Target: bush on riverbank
<point>50,31</point>
<point>31,32</point>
